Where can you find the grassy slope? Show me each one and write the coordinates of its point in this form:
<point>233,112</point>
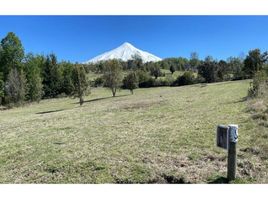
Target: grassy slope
<point>156,135</point>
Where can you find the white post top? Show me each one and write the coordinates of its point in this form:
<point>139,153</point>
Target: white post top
<point>233,132</point>
<point>233,125</point>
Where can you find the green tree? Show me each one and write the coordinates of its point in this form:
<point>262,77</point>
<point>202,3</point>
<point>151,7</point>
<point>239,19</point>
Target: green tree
<point>67,83</point>
<point>164,64</point>
<point>254,62</point>
<point>155,71</point>
<point>131,82</point>
<point>12,53</point>
<point>236,65</point>
<point>172,69</point>
<point>33,65</point>
<point>113,75</point>
<point>208,70</point>
<point>52,77</point>
<point>1,87</point>
<point>80,82</point>
<point>194,61</point>
<point>186,79</point>
<point>223,71</point>
<point>16,87</point>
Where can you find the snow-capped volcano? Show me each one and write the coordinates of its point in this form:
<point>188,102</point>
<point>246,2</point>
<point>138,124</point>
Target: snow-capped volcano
<point>125,52</point>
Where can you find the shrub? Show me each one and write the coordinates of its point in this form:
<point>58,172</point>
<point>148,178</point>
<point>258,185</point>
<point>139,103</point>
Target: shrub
<point>98,82</point>
<point>16,87</point>
<point>113,75</point>
<point>80,82</point>
<point>131,82</point>
<point>143,78</point>
<point>259,85</point>
<point>155,71</point>
<point>186,79</point>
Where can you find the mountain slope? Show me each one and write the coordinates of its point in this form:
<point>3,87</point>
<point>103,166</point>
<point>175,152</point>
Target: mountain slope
<point>125,52</point>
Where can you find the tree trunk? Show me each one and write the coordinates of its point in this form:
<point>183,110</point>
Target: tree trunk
<point>114,91</point>
<point>81,101</point>
<point>131,91</point>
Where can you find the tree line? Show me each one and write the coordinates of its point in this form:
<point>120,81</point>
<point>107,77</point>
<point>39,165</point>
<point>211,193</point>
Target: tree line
<point>30,77</point>
<point>195,70</point>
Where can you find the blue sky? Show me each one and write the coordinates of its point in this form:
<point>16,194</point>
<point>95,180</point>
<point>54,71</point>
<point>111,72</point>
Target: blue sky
<point>79,38</point>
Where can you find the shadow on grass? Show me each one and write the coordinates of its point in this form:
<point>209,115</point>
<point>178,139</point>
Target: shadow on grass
<point>242,100</point>
<point>219,180</point>
<point>103,98</point>
<point>50,111</point>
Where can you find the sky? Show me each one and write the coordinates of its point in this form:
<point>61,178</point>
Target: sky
<point>80,38</point>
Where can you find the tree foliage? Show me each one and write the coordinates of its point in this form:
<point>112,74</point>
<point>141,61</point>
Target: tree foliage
<point>131,82</point>
<point>52,77</point>
<point>80,83</point>
<point>67,82</point>
<point>155,71</point>
<point>2,84</point>
<point>33,66</point>
<point>208,70</point>
<point>194,61</point>
<point>12,53</point>
<point>16,87</point>
<point>172,69</point>
<point>113,75</point>
<point>187,78</point>
<point>254,62</point>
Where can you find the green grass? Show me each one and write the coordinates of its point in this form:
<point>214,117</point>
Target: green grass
<point>157,135</point>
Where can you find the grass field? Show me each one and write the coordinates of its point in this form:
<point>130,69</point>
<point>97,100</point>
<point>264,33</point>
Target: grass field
<point>157,135</point>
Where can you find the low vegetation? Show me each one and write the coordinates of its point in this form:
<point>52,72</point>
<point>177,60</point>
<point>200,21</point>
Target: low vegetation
<point>158,135</point>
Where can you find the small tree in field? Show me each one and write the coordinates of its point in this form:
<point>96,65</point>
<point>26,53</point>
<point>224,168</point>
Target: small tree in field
<point>81,85</point>
<point>172,69</point>
<point>113,75</point>
<point>131,82</point>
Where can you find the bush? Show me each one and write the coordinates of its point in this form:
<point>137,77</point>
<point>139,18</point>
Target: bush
<point>130,82</point>
<point>259,85</point>
<point>150,82</point>
<point>186,79</point>
<point>16,87</point>
<point>98,82</point>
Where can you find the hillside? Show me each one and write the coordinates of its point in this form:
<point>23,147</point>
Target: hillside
<point>157,135</point>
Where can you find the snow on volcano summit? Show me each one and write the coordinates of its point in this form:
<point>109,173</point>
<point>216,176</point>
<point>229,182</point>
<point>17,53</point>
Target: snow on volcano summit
<point>125,52</point>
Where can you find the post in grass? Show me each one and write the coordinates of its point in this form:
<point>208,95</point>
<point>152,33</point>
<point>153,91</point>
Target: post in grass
<point>227,137</point>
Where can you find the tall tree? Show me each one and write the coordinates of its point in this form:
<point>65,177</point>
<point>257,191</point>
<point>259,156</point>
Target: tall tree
<point>16,87</point>
<point>12,53</point>
<point>67,83</point>
<point>236,65</point>
<point>194,60</point>
<point>52,77</point>
<point>131,82</point>
<point>113,75</point>
<point>80,82</point>
<point>208,70</point>
<point>1,87</point>
<point>33,66</point>
<point>223,70</point>
<point>254,62</point>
